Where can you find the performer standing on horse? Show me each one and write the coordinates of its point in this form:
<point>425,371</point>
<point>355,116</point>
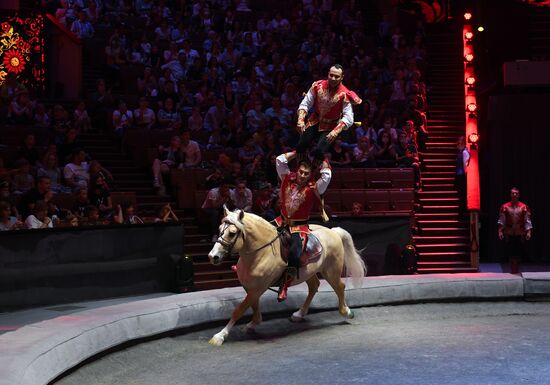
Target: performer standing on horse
<point>297,196</point>
<point>332,103</point>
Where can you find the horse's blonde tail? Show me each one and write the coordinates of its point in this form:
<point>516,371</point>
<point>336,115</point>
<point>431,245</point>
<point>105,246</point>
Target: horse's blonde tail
<point>354,264</point>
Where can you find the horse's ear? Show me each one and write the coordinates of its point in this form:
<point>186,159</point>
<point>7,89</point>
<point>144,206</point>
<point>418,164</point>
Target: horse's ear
<point>241,215</point>
<point>225,211</point>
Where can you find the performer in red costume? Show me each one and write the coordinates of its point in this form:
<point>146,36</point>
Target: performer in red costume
<point>297,196</point>
<point>332,103</point>
<point>514,227</point>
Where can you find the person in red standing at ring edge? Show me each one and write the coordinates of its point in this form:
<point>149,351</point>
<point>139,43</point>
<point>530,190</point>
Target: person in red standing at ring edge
<point>297,196</point>
<point>332,103</point>
<point>514,228</point>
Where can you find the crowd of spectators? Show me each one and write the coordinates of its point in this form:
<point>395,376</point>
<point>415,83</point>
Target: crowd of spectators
<point>227,77</point>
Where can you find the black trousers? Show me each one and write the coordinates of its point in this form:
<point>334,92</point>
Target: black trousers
<point>515,247</point>
<point>460,184</point>
<point>310,135</point>
<point>295,251</point>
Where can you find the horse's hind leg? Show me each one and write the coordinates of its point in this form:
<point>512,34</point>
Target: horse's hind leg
<point>256,316</point>
<point>312,286</point>
<point>333,278</point>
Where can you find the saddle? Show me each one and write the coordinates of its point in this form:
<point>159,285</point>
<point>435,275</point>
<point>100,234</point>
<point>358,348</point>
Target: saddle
<point>311,247</point>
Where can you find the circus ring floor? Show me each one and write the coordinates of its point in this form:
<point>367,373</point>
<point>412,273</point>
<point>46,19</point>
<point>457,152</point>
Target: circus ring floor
<point>499,338</point>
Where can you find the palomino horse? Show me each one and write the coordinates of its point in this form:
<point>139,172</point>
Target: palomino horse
<point>260,265</point>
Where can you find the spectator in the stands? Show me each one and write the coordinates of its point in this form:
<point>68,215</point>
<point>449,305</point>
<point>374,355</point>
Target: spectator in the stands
<point>168,118</point>
<point>81,202</point>
<point>279,112</point>
<point>406,155</point>
<point>339,156</point>
<point>176,67</point>
<point>77,172</point>
<point>366,129</point>
<point>39,218</point>
<point>92,217</point>
<point>28,150</point>
<point>255,118</point>
<point>215,116</point>
<point>93,11</point>
<point>22,181</point>
<point>125,214</point>
<point>241,196</point>
<point>100,197</point>
<point>167,91</point>
<point>389,129</point>
<point>385,154</point>
<point>144,117</point>
<point>195,121</point>
<point>264,204</point>
<point>11,88</point>
<point>166,214</point>
<point>50,168</point>
<point>82,28</point>
<point>123,119</point>
<point>356,209</point>
<point>249,151</point>
<point>168,159</point>
<point>21,109</point>
<point>147,83</point>
<point>190,150</point>
<point>81,119</point>
<point>27,201</point>
<point>97,170</point>
<point>214,179</point>
<point>7,220</point>
<point>41,117</point>
<point>68,146</point>
<point>213,207</point>
<point>364,153</point>
<point>101,104</point>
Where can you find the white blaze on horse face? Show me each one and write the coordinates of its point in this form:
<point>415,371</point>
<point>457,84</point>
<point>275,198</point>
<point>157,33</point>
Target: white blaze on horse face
<point>223,245</point>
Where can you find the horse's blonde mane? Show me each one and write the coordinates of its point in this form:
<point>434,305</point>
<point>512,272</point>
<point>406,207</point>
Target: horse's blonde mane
<point>233,218</point>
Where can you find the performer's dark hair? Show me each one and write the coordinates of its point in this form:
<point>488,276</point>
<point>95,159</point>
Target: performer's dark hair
<point>307,164</point>
<point>338,67</point>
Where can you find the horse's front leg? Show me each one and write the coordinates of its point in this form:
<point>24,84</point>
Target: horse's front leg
<point>256,317</point>
<point>250,299</point>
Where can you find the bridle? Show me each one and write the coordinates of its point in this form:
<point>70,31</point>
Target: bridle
<point>230,244</point>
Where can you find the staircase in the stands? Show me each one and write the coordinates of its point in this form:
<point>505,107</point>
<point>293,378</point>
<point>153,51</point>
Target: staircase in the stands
<point>442,239</point>
<point>539,33</point>
<point>127,176</point>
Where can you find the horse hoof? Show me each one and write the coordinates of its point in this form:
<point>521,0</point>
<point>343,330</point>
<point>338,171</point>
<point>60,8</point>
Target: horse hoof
<point>250,328</point>
<point>296,317</point>
<point>350,314</point>
<point>216,341</point>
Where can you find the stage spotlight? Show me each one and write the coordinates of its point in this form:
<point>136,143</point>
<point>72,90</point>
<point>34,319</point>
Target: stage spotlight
<point>473,138</point>
<point>469,35</point>
<point>469,57</point>
<point>480,29</point>
<point>471,107</point>
<point>470,80</point>
<point>467,16</point>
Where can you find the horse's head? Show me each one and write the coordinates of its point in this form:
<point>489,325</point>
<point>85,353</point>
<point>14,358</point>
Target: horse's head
<point>231,236</point>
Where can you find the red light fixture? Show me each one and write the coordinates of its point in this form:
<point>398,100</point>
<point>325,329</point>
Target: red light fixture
<point>467,16</point>
<point>469,57</point>
<point>470,80</point>
<point>473,138</point>
<point>469,35</point>
<point>471,107</point>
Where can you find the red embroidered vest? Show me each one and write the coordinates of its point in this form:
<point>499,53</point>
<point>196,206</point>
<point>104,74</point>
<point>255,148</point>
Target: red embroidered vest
<point>296,202</point>
<point>328,106</point>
